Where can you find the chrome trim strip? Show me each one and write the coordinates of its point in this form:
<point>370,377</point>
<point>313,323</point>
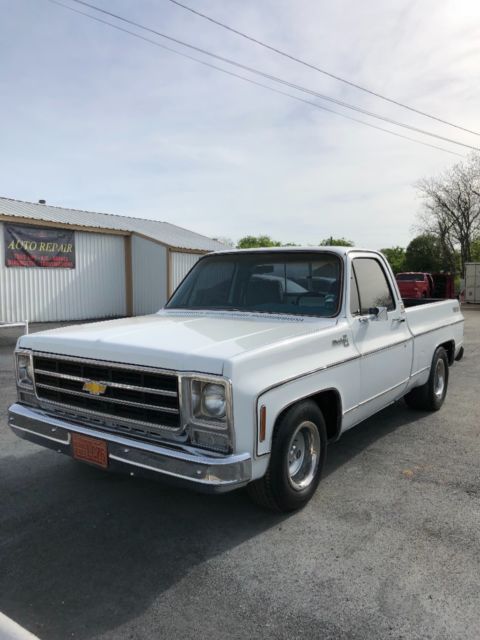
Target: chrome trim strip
<point>331,366</point>
<point>378,395</point>
<point>126,403</point>
<point>103,363</point>
<point>390,346</point>
<point>167,473</point>
<point>307,374</point>
<point>420,371</point>
<point>116,385</point>
<point>423,333</point>
<point>35,433</point>
<point>106,416</point>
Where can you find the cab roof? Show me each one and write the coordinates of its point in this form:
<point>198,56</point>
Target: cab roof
<point>341,251</point>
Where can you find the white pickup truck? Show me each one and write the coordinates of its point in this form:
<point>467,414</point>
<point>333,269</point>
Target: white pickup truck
<point>258,361</point>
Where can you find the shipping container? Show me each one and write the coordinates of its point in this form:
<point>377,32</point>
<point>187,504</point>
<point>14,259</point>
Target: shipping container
<point>472,282</point>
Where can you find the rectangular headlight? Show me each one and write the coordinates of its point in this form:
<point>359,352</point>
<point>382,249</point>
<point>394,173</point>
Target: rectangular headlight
<point>24,366</point>
<point>207,412</point>
<point>209,400</point>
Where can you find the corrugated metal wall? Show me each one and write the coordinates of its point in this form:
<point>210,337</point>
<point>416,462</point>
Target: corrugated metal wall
<point>149,267</point>
<point>94,289</point>
<point>180,265</point>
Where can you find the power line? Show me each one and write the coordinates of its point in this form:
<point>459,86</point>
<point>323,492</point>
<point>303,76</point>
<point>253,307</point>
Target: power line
<point>277,79</point>
<point>319,69</point>
<point>253,82</point>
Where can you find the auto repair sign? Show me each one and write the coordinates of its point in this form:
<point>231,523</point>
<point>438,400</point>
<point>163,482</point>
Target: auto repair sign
<point>44,247</point>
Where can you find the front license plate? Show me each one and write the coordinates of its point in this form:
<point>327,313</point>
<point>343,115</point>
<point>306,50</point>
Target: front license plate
<point>90,450</point>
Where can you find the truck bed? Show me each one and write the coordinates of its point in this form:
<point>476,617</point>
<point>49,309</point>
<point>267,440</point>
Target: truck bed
<point>415,302</point>
<point>431,317</point>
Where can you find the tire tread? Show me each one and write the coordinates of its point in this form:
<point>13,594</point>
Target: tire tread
<point>423,398</point>
<point>263,491</point>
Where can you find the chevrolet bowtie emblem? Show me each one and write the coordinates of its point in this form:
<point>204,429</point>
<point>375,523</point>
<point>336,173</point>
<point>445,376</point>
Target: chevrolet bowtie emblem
<point>94,388</point>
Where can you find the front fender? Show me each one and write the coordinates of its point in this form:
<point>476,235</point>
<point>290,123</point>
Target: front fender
<point>342,378</point>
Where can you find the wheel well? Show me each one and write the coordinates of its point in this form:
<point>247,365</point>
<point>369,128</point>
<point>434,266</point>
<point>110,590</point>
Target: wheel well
<point>450,349</point>
<point>330,404</point>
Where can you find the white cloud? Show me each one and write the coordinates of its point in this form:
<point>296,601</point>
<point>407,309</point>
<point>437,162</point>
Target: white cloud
<point>95,119</point>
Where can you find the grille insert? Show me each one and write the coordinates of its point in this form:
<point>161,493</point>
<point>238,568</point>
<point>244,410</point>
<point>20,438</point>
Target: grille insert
<point>133,395</point>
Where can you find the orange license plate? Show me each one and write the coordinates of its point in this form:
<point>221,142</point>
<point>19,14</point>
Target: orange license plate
<point>90,450</point>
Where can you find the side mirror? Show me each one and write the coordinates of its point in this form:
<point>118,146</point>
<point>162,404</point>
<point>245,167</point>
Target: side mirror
<point>380,313</point>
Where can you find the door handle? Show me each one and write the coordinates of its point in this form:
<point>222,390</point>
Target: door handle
<point>399,320</point>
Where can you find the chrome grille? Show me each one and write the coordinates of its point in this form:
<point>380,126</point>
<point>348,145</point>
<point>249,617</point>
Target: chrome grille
<point>134,396</point>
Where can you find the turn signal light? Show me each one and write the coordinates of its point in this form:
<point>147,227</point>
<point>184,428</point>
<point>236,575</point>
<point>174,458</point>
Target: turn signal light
<point>263,423</point>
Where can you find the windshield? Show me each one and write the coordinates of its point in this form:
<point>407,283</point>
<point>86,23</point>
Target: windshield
<point>300,283</point>
<point>414,277</point>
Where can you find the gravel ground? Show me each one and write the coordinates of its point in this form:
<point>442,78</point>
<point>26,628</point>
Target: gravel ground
<point>388,548</point>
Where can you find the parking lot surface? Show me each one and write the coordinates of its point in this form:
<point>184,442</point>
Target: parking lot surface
<point>388,548</point>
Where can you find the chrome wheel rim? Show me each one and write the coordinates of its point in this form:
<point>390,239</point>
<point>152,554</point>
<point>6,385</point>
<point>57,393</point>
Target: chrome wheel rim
<point>303,455</point>
<point>439,380</point>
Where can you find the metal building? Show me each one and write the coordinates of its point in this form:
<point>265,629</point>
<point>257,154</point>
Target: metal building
<point>64,264</point>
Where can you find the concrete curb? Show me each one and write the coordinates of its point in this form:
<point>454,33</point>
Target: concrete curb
<point>10,630</point>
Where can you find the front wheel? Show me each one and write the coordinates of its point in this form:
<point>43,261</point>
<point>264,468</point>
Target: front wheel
<point>430,396</point>
<point>299,448</point>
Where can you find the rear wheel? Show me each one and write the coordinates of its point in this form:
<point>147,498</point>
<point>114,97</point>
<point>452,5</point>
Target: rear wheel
<point>299,448</point>
<point>430,396</point>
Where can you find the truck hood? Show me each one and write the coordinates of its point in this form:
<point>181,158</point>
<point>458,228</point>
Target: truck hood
<point>182,341</point>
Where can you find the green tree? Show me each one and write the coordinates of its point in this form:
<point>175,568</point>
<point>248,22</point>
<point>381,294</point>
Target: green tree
<point>396,258</point>
<point>424,253</point>
<point>475,250</point>
<point>257,242</point>
<point>336,242</point>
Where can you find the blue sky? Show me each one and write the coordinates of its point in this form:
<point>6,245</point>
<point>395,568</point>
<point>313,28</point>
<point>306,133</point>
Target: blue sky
<point>92,118</point>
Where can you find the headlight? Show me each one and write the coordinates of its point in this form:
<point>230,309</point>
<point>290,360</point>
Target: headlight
<point>24,369</point>
<point>208,400</point>
<point>213,400</point>
<point>207,412</point>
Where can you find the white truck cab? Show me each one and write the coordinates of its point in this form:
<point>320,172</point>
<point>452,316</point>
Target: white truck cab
<point>257,362</point>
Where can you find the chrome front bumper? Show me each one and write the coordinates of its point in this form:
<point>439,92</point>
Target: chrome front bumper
<point>202,472</point>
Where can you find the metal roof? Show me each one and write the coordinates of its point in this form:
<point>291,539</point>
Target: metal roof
<point>169,234</point>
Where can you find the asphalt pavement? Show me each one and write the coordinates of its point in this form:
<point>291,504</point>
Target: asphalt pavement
<point>388,548</point>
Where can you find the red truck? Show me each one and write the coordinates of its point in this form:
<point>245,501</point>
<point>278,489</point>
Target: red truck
<point>415,285</point>
<point>418,284</point>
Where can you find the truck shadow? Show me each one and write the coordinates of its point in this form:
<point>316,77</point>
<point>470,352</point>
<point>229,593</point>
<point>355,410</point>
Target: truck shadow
<point>360,438</point>
<point>83,552</point>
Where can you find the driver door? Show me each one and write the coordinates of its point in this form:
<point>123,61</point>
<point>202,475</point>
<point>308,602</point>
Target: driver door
<point>381,335</point>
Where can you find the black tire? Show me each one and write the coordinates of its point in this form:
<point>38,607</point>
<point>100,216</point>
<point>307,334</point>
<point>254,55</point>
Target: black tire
<point>430,396</point>
<point>281,488</point>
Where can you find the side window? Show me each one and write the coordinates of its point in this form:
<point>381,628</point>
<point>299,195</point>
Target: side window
<point>373,287</point>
